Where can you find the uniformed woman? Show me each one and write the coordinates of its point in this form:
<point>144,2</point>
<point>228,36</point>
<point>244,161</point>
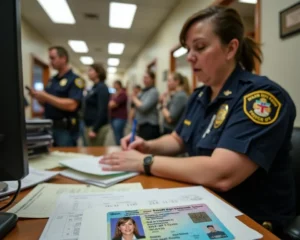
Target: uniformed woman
<point>96,107</point>
<point>236,129</point>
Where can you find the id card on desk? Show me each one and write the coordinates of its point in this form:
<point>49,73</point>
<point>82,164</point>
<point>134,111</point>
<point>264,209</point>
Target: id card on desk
<point>193,222</point>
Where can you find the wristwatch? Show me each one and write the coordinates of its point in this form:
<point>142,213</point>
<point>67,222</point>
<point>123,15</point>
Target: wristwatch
<point>147,164</point>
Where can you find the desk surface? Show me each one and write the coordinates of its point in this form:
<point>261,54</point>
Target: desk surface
<point>32,228</point>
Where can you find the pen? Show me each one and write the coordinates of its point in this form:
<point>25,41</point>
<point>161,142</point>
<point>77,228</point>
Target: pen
<point>133,130</point>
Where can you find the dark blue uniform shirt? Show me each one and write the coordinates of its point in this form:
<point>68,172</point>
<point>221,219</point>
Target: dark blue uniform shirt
<point>254,116</point>
<point>67,86</point>
<point>96,106</point>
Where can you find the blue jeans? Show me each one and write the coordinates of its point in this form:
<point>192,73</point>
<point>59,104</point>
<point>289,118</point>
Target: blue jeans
<point>64,138</point>
<point>118,126</point>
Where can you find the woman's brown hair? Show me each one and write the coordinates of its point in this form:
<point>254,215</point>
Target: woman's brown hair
<point>123,220</point>
<point>227,25</point>
<point>100,70</point>
<point>183,81</point>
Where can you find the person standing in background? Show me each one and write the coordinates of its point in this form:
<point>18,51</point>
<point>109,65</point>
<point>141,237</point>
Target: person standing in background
<point>173,107</point>
<point>136,91</point>
<point>95,113</point>
<point>145,108</point>
<point>61,99</point>
<point>118,111</point>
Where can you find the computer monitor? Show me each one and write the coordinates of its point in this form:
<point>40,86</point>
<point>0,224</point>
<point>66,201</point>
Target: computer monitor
<point>13,153</point>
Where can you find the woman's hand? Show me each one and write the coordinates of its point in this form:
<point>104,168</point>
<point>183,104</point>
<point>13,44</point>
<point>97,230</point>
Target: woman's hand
<point>138,144</point>
<point>124,161</point>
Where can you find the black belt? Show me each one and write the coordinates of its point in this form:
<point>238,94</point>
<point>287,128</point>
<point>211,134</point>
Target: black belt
<point>67,124</point>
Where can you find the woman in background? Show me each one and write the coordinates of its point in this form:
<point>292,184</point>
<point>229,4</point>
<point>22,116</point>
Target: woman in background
<point>118,111</point>
<point>145,109</point>
<point>96,107</point>
<point>173,106</point>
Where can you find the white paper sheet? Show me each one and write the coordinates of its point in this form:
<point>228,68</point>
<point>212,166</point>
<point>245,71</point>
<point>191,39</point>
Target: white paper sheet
<point>41,201</point>
<point>94,220</point>
<point>100,181</point>
<point>51,160</point>
<point>89,165</point>
<point>33,178</point>
<point>65,221</point>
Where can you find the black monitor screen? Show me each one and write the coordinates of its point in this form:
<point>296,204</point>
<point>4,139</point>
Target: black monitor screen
<point>13,154</point>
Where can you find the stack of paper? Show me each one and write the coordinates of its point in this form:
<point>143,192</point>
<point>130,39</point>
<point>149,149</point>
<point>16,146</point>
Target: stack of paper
<point>33,178</point>
<point>88,170</point>
<point>183,213</point>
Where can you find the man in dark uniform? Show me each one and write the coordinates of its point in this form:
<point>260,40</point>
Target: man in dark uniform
<point>214,234</point>
<point>61,99</point>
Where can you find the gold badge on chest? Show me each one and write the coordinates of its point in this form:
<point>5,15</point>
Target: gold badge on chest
<point>221,115</point>
<point>63,82</point>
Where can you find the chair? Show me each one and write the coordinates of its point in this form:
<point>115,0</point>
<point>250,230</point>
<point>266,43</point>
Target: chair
<point>293,230</point>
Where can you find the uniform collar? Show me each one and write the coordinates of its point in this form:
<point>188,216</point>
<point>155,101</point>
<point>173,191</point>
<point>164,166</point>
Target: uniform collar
<point>68,73</point>
<point>228,91</point>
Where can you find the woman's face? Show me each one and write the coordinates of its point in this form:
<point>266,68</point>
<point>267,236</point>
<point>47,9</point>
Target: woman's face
<point>148,81</point>
<point>172,84</point>
<point>92,74</point>
<point>116,86</point>
<point>207,56</point>
<point>127,228</point>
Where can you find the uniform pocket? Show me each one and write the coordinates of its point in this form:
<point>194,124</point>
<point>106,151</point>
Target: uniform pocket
<point>186,133</point>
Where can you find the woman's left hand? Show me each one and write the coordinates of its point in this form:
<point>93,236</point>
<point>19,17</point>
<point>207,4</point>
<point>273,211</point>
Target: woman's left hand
<point>124,161</point>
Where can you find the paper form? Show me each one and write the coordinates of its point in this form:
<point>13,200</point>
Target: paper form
<point>33,178</point>
<point>65,221</point>
<point>100,181</point>
<point>96,221</point>
<point>51,160</point>
<point>41,201</point>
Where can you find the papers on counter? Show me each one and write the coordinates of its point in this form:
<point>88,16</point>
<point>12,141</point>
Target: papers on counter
<point>89,165</point>
<point>100,181</point>
<point>51,160</point>
<point>41,201</point>
<point>33,178</point>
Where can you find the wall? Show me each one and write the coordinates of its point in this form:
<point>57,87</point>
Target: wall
<point>160,45</point>
<point>281,57</point>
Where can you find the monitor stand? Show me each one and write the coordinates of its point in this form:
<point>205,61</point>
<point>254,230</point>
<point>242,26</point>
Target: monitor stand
<point>7,220</point>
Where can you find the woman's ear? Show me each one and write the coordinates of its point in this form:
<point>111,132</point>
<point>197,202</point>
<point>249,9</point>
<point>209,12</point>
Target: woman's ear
<point>232,48</point>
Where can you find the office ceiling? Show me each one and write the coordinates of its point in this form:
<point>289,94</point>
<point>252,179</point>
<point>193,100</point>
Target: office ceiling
<point>149,17</point>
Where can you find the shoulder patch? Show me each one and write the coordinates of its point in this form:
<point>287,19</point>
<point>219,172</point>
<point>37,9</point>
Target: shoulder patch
<point>79,83</point>
<point>261,107</point>
<point>63,82</point>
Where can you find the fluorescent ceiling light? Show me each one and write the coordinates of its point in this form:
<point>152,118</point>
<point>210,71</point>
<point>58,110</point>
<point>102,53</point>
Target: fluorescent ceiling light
<point>179,52</point>
<point>58,11</point>
<point>111,70</point>
<point>78,46</point>
<point>116,48</point>
<point>87,60</point>
<point>248,1</point>
<point>121,15</point>
<point>113,61</point>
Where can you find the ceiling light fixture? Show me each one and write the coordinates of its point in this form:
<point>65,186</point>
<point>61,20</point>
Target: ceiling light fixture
<point>116,48</point>
<point>248,1</point>
<point>121,15</point>
<point>78,46</point>
<point>179,52</point>
<point>113,62</point>
<point>87,60</point>
<point>111,70</point>
<point>58,11</point>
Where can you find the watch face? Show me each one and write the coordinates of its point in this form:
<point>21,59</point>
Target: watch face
<point>148,160</point>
